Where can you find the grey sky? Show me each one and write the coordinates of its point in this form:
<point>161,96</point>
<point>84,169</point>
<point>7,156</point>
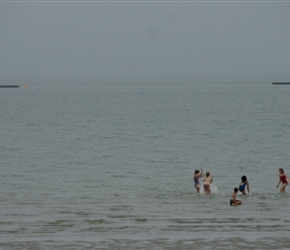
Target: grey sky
<point>143,39</point>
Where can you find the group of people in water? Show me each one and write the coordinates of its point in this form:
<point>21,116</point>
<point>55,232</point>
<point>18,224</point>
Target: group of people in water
<point>242,188</point>
<point>206,181</point>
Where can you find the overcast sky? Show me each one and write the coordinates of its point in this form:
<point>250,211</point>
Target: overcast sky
<point>91,39</point>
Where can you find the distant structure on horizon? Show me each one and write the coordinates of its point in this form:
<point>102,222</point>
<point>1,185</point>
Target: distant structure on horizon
<point>280,83</point>
<point>9,86</point>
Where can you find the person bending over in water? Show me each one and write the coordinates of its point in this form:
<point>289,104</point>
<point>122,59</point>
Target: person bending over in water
<point>207,181</point>
<point>233,200</point>
<point>283,179</point>
<point>243,185</point>
<point>197,174</point>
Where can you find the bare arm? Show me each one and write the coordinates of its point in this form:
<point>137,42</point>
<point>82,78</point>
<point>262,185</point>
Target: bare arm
<point>234,196</point>
<point>248,187</point>
<point>278,183</point>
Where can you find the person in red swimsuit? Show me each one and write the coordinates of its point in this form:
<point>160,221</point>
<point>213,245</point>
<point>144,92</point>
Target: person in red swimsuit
<point>283,179</point>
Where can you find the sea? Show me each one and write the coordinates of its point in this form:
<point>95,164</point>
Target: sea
<point>109,164</point>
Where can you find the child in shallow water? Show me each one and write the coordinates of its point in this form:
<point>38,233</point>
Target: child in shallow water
<point>197,174</point>
<point>207,181</point>
<point>233,200</point>
<point>283,178</point>
<point>243,185</point>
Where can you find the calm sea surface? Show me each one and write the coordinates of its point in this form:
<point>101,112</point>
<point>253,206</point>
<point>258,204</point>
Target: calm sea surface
<point>109,164</point>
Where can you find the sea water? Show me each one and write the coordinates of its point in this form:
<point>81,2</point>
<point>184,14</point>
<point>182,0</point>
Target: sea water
<point>109,164</point>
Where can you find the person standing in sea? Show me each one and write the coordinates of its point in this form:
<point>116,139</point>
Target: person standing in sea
<point>283,178</point>
<point>197,174</point>
<point>243,184</point>
<point>207,181</point>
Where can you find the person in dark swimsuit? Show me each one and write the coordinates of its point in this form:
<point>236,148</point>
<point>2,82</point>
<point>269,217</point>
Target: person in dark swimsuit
<point>233,200</point>
<point>197,174</point>
<point>243,184</point>
<point>283,178</point>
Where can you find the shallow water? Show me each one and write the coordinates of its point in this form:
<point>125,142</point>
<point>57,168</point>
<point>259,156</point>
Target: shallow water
<point>109,165</point>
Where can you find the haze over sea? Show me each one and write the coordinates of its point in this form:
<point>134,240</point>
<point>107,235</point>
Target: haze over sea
<point>108,164</point>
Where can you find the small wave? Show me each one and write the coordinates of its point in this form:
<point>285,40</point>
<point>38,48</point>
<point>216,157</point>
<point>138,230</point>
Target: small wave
<point>97,221</point>
<point>141,219</point>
